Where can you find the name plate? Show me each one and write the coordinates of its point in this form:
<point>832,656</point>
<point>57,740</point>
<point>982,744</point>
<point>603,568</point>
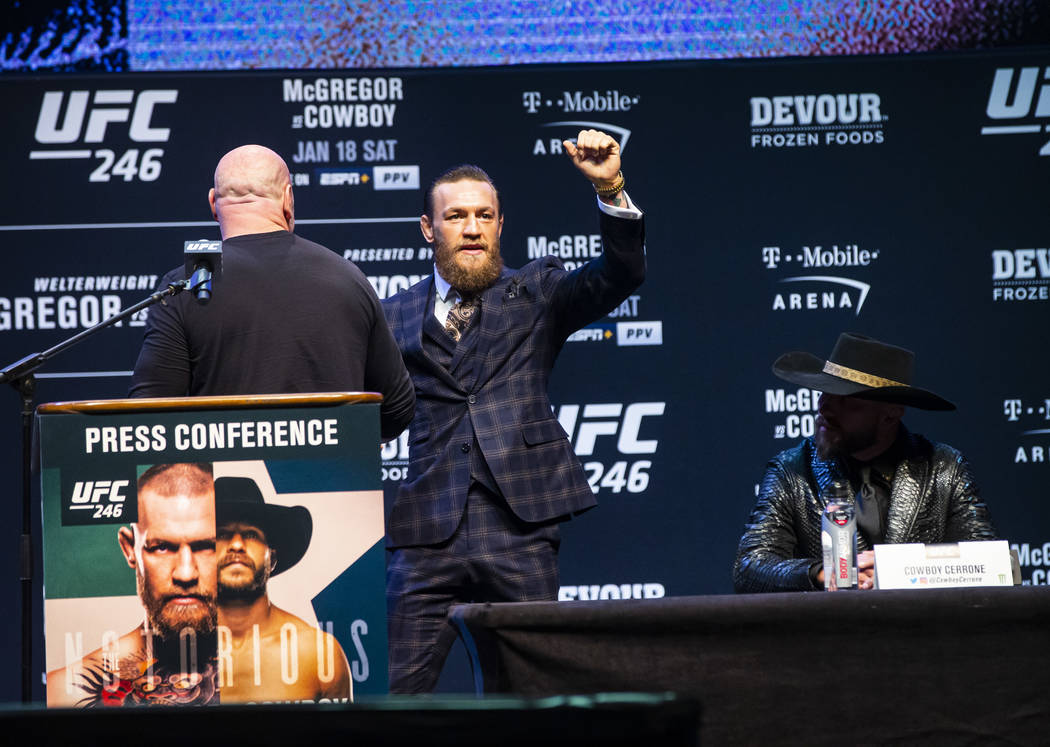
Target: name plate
<point>919,566</point>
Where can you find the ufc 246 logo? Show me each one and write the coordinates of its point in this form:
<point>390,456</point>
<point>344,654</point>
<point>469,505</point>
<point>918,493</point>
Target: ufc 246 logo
<point>86,117</point>
<point>626,424</point>
<point>610,420</point>
<point>1018,99</point>
<point>108,107</point>
<point>97,502</point>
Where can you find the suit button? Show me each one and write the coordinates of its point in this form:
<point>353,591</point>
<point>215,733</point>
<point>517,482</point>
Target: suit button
<point>465,448</point>
<point>471,399</point>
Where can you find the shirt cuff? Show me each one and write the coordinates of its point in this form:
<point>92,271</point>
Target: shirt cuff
<point>631,212</point>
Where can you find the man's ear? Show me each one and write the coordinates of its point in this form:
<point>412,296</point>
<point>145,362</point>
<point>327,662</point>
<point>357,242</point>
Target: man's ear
<point>288,206</point>
<point>426,227</point>
<point>273,559</point>
<point>499,231</point>
<point>211,203</point>
<point>126,540</point>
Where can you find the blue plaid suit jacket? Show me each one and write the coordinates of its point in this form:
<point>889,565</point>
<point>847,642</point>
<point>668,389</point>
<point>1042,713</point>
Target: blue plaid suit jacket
<point>496,391</point>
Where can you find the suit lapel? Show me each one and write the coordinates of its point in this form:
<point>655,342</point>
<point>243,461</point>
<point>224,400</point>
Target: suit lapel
<point>495,321</point>
<point>415,310</point>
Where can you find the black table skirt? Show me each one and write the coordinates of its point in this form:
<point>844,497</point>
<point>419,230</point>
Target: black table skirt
<point>945,666</point>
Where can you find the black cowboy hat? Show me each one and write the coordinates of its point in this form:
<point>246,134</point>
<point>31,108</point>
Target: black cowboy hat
<point>861,367</point>
<point>287,528</point>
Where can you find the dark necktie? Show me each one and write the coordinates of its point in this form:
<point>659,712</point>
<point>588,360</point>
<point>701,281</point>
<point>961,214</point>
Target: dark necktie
<point>459,316</point>
<point>869,512</point>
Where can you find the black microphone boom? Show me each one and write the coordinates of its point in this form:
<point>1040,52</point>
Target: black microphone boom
<point>203,265</point>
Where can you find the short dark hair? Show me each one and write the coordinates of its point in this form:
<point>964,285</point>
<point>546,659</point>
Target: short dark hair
<point>463,172</point>
<point>168,479</point>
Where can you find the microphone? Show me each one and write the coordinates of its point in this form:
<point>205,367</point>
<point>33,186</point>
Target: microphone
<point>203,264</point>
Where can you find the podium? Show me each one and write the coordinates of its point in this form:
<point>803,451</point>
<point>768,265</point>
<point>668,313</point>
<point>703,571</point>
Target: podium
<point>312,459</point>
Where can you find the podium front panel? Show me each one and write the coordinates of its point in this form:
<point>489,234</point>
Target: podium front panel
<point>97,606</point>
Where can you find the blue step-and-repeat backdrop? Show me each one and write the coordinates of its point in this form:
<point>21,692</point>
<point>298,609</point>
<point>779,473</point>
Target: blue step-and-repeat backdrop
<point>786,201</point>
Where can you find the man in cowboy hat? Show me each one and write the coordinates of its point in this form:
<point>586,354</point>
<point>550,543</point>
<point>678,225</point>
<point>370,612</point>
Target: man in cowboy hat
<point>265,653</point>
<point>908,489</point>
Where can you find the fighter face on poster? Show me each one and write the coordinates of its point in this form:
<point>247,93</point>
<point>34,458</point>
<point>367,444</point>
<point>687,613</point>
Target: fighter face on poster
<point>170,658</point>
<point>203,550</point>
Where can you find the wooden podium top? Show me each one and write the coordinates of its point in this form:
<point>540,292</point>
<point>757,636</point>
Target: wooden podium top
<point>147,404</point>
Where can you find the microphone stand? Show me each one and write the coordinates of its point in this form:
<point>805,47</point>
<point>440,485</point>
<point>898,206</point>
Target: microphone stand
<point>20,375</point>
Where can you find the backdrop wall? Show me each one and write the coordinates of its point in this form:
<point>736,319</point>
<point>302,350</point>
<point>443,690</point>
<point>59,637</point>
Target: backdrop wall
<point>786,201</point>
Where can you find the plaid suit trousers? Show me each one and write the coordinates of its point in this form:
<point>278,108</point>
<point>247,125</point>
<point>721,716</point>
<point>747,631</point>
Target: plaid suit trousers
<point>493,556</point>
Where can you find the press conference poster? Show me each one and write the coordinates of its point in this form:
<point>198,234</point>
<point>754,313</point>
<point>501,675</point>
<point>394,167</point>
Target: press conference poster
<point>114,637</point>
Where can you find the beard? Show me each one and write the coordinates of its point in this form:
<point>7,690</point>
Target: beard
<point>168,620</point>
<point>241,589</point>
<point>833,442</point>
<point>468,275</point>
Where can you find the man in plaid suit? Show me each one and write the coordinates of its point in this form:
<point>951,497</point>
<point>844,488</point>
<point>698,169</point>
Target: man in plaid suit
<point>491,472</point>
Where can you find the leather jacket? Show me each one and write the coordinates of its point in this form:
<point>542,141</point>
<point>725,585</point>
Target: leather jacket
<point>934,499</point>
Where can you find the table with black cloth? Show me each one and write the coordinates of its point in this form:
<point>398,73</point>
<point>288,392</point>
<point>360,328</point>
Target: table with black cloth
<point>944,666</point>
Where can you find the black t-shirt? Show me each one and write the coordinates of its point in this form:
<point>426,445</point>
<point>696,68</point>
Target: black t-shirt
<point>286,315</point>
